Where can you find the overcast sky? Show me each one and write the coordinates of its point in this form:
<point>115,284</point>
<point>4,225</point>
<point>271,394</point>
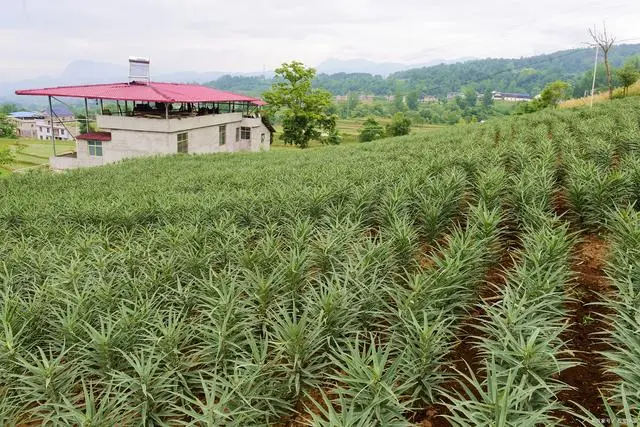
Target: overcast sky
<point>40,37</point>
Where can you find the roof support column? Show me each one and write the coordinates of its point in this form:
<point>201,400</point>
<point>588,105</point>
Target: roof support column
<point>86,115</point>
<point>166,111</point>
<point>53,137</point>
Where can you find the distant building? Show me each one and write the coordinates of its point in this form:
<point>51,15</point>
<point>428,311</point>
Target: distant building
<point>365,99</point>
<point>154,119</point>
<point>65,125</point>
<point>25,122</point>
<point>452,95</point>
<point>428,99</point>
<point>510,97</point>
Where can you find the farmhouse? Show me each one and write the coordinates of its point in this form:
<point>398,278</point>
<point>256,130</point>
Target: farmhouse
<point>25,122</point>
<point>143,118</point>
<point>39,125</point>
<point>511,97</point>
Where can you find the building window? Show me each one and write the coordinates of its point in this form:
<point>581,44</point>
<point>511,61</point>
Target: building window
<point>262,136</point>
<point>222,132</point>
<point>95,148</point>
<point>41,129</point>
<point>245,132</point>
<point>237,134</point>
<point>183,142</point>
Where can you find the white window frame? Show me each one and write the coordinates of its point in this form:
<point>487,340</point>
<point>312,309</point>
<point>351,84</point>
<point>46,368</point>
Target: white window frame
<point>95,148</point>
<point>183,138</point>
<point>245,131</point>
<point>222,135</point>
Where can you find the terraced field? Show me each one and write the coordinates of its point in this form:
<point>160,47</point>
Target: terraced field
<point>31,153</point>
<point>478,275</point>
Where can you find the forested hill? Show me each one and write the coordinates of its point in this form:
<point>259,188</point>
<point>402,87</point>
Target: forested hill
<point>528,75</point>
<point>511,75</point>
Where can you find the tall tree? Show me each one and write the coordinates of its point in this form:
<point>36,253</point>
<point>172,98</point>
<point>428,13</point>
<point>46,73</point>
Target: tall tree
<point>353,99</point>
<point>470,96</point>
<point>305,110</point>
<point>487,98</point>
<point>604,42</point>
<point>412,100</point>
<point>398,98</point>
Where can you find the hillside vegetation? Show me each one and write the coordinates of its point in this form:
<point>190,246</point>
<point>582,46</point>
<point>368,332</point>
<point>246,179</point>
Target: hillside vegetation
<point>529,75</point>
<point>385,283</point>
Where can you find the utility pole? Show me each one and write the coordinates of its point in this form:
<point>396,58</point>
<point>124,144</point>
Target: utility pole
<point>86,114</point>
<point>53,137</point>
<point>595,69</point>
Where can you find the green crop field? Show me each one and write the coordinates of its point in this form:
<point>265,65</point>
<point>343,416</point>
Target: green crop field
<point>349,129</point>
<point>479,275</point>
<point>31,153</point>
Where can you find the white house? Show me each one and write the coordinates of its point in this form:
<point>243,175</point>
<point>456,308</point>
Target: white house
<point>65,126</point>
<point>510,97</point>
<point>146,118</point>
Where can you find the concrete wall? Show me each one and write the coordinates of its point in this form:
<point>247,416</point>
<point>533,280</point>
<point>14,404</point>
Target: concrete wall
<point>139,137</point>
<point>163,125</point>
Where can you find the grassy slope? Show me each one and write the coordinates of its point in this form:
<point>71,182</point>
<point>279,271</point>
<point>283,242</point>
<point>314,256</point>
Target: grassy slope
<point>634,90</point>
<point>31,152</point>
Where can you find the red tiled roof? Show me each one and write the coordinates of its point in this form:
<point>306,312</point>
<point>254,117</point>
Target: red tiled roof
<point>95,136</point>
<point>152,92</point>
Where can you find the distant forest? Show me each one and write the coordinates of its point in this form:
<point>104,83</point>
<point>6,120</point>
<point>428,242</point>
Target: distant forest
<point>528,75</point>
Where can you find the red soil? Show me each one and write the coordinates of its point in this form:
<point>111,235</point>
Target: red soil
<point>587,326</point>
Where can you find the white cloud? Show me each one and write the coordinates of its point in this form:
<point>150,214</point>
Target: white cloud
<point>42,36</point>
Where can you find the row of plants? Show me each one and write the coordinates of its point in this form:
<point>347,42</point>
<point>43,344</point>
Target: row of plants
<point>325,287</point>
<point>519,339</point>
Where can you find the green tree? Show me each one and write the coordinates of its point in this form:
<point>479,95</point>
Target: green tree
<point>400,125</point>
<point>487,98</point>
<point>334,137</point>
<point>627,76</point>
<point>8,108</point>
<point>82,124</point>
<point>629,73</point>
<point>398,100</point>
<point>412,100</point>
<point>304,110</point>
<point>470,97</point>
<point>7,127</point>
<point>553,93</point>
<point>353,99</point>
<point>6,156</point>
<point>371,130</point>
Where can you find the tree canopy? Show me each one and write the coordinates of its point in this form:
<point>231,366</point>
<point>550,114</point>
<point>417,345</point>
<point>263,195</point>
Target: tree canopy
<point>371,130</point>
<point>553,93</point>
<point>304,110</point>
<point>528,75</point>
<point>629,73</point>
<point>7,128</point>
<point>400,125</point>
